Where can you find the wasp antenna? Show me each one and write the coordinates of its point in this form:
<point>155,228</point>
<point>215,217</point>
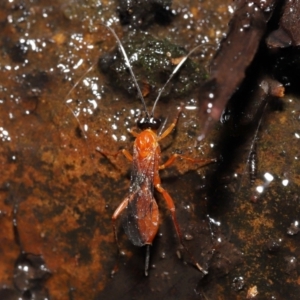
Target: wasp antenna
<point>79,80</point>
<point>147,260</point>
<point>173,73</point>
<point>127,63</point>
<point>162,127</point>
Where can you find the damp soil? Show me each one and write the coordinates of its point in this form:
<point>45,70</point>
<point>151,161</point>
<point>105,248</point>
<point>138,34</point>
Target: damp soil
<point>239,222</point>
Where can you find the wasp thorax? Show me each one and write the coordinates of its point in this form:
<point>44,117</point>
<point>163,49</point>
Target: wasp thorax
<point>148,123</point>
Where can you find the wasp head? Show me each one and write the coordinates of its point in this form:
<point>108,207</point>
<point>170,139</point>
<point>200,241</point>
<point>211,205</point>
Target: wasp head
<point>148,123</point>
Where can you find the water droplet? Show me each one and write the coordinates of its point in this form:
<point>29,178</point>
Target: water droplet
<point>273,246</point>
<point>238,283</point>
<point>188,237</point>
<point>293,229</point>
<point>269,177</point>
<point>291,264</point>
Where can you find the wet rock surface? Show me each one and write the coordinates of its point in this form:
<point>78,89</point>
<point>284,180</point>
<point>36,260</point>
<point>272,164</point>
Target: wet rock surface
<point>66,192</point>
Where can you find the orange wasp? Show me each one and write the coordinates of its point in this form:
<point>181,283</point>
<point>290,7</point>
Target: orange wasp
<point>140,207</point>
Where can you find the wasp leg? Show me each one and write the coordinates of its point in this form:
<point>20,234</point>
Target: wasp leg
<point>171,127</point>
<point>132,132</point>
<point>114,218</point>
<point>171,207</point>
<point>200,162</point>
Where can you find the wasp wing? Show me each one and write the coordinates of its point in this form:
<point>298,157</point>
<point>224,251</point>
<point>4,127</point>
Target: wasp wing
<point>142,217</point>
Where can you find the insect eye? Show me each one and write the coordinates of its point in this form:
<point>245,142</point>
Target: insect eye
<point>154,123</point>
<point>148,123</point>
<point>143,123</point>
